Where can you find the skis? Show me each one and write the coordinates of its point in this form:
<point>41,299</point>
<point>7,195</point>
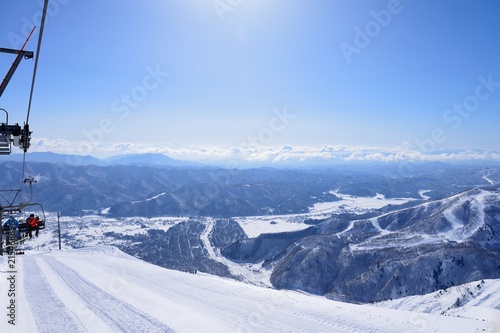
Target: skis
<point>12,244</point>
<point>20,240</point>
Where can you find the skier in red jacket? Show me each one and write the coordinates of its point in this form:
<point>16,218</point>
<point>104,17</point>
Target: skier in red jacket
<point>32,225</point>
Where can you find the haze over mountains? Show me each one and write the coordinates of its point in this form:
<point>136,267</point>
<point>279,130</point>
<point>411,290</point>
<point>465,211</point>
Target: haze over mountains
<point>286,156</point>
<point>129,159</point>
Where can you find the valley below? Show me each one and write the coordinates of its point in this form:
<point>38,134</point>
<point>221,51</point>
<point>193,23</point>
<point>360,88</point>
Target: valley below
<point>413,243</point>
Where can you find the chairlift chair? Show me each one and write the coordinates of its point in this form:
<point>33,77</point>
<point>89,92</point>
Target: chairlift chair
<point>21,214</point>
<point>23,227</point>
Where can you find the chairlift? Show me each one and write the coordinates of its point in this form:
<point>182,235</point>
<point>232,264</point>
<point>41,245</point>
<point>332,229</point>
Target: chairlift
<point>15,135</point>
<point>21,214</point>
<point>37,210</point>
<point>21,211</point>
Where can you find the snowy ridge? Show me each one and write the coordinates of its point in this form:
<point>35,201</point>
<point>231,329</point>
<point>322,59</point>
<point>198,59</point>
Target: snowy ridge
<point>412,251</point>
<point>459,232</point>
<point>477,300</point>
<point>101,289</point>
<point>457,229</point>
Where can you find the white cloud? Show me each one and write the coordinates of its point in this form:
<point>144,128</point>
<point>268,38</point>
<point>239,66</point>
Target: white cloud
<point>285,154</point>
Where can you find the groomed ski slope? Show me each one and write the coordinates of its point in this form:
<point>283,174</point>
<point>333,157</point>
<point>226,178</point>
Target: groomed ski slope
<point>101,289</point>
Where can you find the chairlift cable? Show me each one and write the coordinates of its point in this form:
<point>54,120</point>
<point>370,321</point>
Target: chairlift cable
<point>26,126</point>
<point>42,25</point>
<point>24,162</point>
<point>25,133</point>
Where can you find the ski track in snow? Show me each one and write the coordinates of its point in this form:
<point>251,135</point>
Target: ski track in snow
<point>266,315</point>
<point>462,230</point>
<point>337,324</point>
<point>257,320</point>
<point>40,295</point>
<point>101,289</point>
<point>120,316</point>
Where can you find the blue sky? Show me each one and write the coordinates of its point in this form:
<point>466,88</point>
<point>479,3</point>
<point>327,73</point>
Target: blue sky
<point>216,76</point>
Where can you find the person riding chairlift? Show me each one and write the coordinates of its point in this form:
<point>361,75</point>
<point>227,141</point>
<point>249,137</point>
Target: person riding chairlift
<point>32,225</point>
<point>13,234</point>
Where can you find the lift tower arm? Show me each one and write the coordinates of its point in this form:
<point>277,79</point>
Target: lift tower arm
<point>20,55</point>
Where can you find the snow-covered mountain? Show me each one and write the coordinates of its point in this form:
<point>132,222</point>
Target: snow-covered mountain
<point>145,190</point>
<point>478,299</point>
<point>413,251</point>
<point>435,245</point>
<point>101,289</point>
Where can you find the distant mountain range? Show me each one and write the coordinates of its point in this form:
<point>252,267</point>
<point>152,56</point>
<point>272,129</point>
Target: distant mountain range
<point>366,160</point>
<point>145,190</point>
<point>150,159</point>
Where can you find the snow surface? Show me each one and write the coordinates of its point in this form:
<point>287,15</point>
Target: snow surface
<point>357,205</point>
<point>257,225</point>
<point>485,177</point>
<point>101,289</point>
<point>460,232</point>
<point>268,224</point>
<point>477,300</point>
<point>422,194</point>
<point>99,225</point>
<point>149,199</point>
<point>249,273</point>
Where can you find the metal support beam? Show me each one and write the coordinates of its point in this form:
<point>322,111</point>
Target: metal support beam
<point>27,54</point>
<point>20,55</point>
